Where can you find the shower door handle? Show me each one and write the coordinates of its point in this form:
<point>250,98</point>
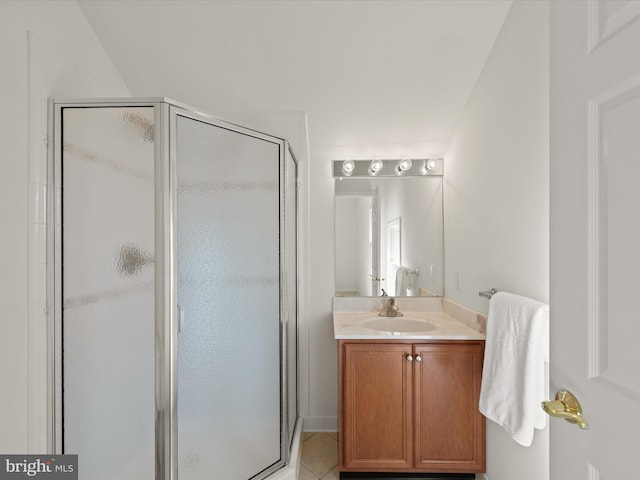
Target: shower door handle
<point>180,319</point>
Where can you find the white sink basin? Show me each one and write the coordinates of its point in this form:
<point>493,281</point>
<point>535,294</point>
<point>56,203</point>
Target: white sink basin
<point>398,325</point>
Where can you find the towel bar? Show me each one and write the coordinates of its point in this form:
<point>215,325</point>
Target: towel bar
<point>488,293</point>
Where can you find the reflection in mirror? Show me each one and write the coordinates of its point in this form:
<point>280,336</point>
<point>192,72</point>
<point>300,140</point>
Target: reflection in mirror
<point>389,236</point>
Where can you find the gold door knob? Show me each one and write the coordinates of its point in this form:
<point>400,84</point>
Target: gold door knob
<point>566,406</point>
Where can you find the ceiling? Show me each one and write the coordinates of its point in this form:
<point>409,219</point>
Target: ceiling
<point>375,78</point>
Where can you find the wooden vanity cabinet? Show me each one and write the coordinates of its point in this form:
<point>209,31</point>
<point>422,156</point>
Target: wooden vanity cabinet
<point>376,407</point>
<point>411,407</point>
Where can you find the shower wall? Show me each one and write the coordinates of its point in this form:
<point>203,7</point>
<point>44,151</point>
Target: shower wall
<point>176,280</point>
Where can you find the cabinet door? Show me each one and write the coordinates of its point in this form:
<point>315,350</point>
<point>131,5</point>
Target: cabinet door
<point>450,430</point>
<point>377,417</point>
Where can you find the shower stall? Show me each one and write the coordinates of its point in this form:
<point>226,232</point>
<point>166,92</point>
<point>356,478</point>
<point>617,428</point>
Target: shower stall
<point>174,337</point>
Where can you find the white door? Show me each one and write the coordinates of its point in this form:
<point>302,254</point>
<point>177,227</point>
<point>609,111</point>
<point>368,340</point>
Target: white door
<point>595,236</point>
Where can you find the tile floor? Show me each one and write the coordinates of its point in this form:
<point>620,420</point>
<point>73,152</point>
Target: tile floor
<point>319,456</point>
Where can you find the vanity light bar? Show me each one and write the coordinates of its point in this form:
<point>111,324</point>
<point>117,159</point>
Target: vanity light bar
<point>398,167</point>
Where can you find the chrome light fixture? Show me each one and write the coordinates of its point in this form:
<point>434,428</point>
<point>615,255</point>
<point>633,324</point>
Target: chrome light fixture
<point>375,167</point>
<point>392,167</point>
<point>404,164</point>
<point>347,168</point>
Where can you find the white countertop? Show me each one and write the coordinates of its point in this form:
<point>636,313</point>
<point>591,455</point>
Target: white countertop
<point>350,325</point>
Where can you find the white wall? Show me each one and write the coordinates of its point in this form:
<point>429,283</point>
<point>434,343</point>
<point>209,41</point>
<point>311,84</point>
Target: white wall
<point>47,49</point>
<point>347,243</point>
<point>496,197</point>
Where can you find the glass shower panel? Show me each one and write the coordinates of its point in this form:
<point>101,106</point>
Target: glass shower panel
<point>108,325</point>
<point>228,263</point>
<point>291,296</point>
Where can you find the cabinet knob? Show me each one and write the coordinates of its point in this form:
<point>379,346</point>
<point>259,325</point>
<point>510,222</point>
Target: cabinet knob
<point>418,358</point>
<point>409,358</point>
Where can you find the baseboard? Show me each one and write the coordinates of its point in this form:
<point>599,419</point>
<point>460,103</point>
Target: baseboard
<point>320,424</point>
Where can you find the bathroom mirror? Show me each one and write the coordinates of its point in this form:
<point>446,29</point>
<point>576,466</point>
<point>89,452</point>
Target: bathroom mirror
<point>389,236</point>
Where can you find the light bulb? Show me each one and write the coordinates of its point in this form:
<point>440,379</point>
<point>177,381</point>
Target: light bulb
<point>404,164</point>
<point>427,166</point>
<point>348,167</point>
<point>375,167</point>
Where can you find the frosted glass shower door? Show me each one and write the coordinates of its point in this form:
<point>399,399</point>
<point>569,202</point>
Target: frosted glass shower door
<point>107,305</point>
<point>228,267</point>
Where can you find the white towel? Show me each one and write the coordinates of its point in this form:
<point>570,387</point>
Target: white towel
<point>401,281</point>
<point>513,377</point>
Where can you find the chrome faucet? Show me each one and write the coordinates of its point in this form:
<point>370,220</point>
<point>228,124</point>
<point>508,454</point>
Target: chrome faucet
<point>391,309</point>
